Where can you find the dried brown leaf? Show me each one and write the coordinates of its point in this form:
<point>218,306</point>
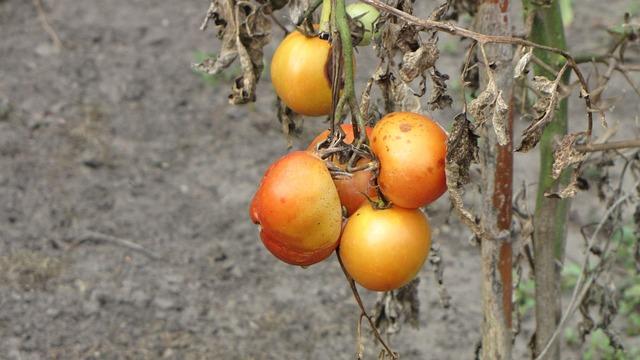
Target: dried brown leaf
<point>499,119</point>
<point>569,190</point>
<point>544,109</point>
<point>416,63</point>
<point>522,64</point>
<point>481,106</point>
<point>439,98</point>
<point>244,29</point>
<point>462,151</point>
<point>566,155</point>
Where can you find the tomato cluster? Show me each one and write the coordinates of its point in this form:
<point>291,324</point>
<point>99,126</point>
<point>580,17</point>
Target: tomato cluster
<point>299,205</point>
<point>383,238</point>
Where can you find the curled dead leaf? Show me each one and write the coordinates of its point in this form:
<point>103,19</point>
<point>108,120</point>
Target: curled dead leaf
<point>416,63</point>
<point>522,64</point>
<point>244,29</point>
<point>544,110</point>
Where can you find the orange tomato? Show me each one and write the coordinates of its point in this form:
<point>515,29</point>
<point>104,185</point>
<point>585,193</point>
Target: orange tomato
<point>300,71</point>
<point>298,209</point>
<point>351,190</point>
<point>384,249</point>
<point>411,149</point>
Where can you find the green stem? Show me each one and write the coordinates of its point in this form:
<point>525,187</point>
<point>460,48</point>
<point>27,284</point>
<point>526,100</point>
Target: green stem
<point>551,214</point>
<point>325,17</point>
<point>342,25</point>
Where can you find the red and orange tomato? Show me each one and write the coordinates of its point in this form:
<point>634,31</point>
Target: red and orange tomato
<point>411,149</point>
<point>298,209</point>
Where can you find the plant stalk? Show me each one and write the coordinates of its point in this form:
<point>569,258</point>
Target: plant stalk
<point>497,178</point>
<point>551,213</point>
<point>325,17</point>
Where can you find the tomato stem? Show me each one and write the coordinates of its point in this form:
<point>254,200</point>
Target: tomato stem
<point>325,15</point>
<point>363,312</point>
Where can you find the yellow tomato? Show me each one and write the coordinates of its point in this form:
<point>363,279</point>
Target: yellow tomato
<point>384,249</point>
<point>300,71</point>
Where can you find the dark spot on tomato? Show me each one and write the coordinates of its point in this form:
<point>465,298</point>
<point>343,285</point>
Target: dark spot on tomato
<point>430,170</point>
<point>283,200</point>
<point>404,127</point>
<point>441,162</point>
<point>397,137</point>
<point>408,141</point>
<point>375,138</point>
<point>385,137</point>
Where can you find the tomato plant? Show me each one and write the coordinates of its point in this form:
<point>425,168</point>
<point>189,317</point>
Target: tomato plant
<point>298,209</point>
<point>411,149</point>
<point>300,70</point>
<point>384,249</point>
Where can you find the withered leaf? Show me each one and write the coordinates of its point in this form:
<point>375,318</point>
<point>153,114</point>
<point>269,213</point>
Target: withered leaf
<point>566,155</point>
<point>462,148</point>
<point>439,99</point>
<point>462,151</point>
<point>245,28</point>
<point>415,63</point>
<point>544,110</point>
<point>499,119</point>
<point>490,103</point>
<point>478,107</point>
<point>568,191</point>
<point>522,64</point>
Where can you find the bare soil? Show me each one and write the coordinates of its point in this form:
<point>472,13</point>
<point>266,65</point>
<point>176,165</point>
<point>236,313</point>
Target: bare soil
<point>115,135</point>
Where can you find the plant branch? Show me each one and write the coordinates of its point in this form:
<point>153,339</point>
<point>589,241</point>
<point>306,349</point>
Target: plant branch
<point>453,29</point>
<point>613,145</point>
<point>363,312</point>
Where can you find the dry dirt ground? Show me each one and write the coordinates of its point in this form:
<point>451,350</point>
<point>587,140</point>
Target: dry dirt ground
<point>115,135</point>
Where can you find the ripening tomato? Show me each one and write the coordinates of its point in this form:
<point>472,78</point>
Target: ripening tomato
<point>300,71</point>
<point>384,249</point>
<point>411,149</point>
<point>298,209</point>
<point>351,190</point>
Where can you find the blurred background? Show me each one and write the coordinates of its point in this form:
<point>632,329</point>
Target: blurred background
<point>125,179</point>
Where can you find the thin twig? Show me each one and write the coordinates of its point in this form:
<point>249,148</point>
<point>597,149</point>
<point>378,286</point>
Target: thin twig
<point>363,312</point>
<point>44,20</point>
<point>92,236</point>
<point>613,145</point>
